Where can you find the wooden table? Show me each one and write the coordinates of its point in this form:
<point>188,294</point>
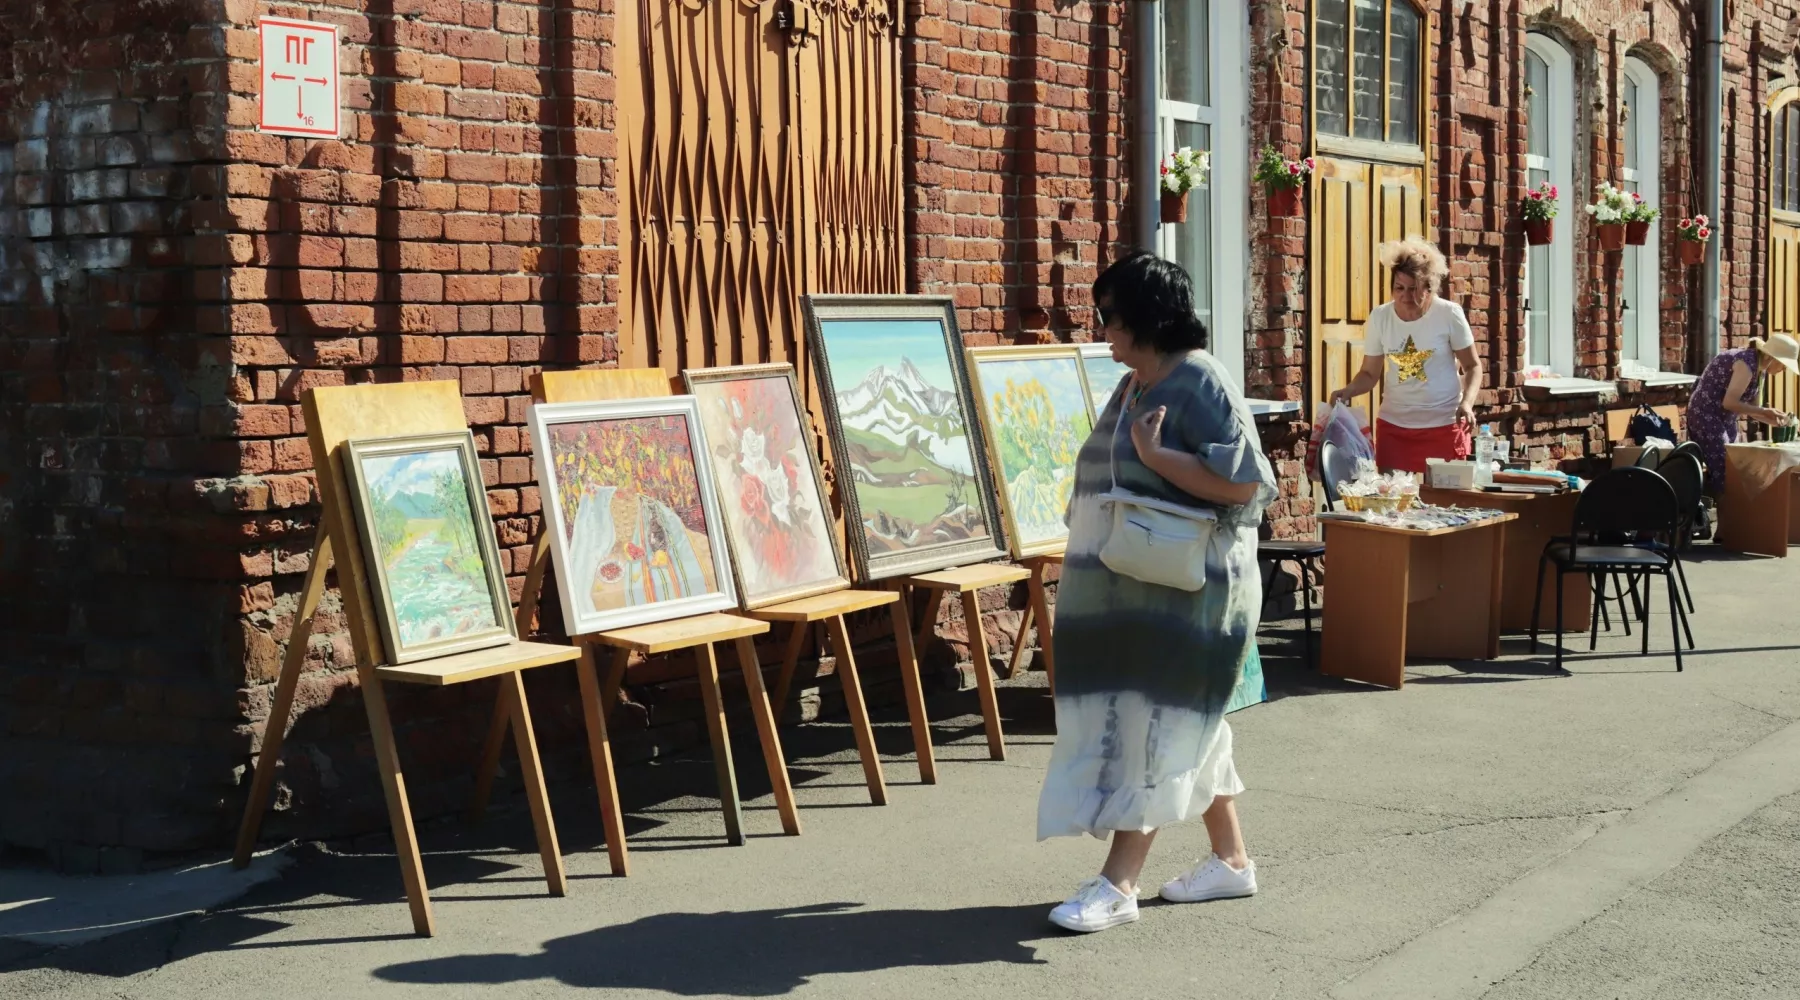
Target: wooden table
<point>1542,516</point>
<point>1766,521</point>
<point>1394,592</point>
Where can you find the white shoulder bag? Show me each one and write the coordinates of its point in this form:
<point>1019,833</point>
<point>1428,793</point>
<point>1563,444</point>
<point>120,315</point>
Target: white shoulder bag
<point>1153,540</point>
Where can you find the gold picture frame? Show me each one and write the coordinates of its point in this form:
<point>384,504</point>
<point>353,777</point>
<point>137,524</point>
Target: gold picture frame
<point>1034,465</point>
<point>704,384</point>
<point>422,517</point>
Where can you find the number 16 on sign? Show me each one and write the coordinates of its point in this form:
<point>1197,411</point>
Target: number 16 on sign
<point>299,77</point>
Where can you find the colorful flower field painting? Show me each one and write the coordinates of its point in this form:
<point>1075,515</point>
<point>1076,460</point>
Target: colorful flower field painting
<point>769,488</point>
<point>1103,374</point>
<point>636,535</point>
<point>1036,413</point>
<point>434,575</point>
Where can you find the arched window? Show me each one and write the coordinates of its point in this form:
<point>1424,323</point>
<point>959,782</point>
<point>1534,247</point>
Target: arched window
<point>1784,179</point>
<point>1550,156</point>
<point>1203,106</point>
<point>1367,79</point>
<point>1640,125</point>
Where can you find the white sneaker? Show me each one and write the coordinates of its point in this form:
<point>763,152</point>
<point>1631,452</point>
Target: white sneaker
<point>1211,879</point>
<point>1096,905</point>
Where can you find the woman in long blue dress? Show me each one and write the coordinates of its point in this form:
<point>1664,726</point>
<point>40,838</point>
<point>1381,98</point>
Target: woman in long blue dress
<point>1143,672</point>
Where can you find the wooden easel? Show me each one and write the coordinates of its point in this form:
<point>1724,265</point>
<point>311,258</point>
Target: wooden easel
<point>334,415</point>
<point>830,608</point>
<point>1038,606</point>
<point>968,581</point>
<point>699,633</point>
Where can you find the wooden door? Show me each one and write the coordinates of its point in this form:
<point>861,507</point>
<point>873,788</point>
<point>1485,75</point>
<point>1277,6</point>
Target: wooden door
<point>1357,206</point>
<point>759,161</point>
<point>1783,310</point>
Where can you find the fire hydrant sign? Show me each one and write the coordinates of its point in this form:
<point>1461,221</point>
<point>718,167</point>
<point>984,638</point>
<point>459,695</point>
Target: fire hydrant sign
<point>299,77</point>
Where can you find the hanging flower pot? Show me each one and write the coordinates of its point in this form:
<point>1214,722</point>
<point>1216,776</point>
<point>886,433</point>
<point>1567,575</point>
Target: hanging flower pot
<point>1282,180</point>
<point>1611,209</point>
<point>1174,207</point>
<point>1690,239</point>
<point>1612,236</point>
<point>1182,171</point>
<point>1539,232</point>
<point>1637,233</point>
<point>1284,203</point>
<point>1638,215</point>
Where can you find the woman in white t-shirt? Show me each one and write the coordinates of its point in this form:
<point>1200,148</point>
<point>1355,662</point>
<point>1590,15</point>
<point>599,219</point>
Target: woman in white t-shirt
<point>1421,348</point>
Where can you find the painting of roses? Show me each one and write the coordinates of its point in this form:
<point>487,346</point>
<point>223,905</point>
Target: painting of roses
<point>769,488</point>
<point>635,532</point>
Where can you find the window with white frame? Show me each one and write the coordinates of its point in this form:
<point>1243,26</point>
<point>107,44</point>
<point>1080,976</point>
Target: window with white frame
<point>1203,106</point>
<point>1549,156</point>
<point>1640,319</point>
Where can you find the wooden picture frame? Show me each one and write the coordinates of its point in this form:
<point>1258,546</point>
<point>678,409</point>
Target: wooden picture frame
<point>813,527</point>
<point>624,561</point>
<point>376,519</point>
<point>1045,453</point>
<point>1102,374</point>
<point>891,513</point>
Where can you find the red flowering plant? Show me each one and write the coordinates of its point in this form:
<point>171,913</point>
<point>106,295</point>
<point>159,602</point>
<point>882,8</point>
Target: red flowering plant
<point>1279,173</point>
<point>1694,230</point>
<point>1539,204</point>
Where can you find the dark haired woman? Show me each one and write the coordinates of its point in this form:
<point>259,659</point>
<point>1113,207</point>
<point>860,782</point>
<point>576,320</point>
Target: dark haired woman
<point>1143,672</point>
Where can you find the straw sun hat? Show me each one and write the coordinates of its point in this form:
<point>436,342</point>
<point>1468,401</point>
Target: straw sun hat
<point>1784,349</point>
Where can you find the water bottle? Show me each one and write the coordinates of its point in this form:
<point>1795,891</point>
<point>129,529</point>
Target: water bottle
<point>1486,446</point>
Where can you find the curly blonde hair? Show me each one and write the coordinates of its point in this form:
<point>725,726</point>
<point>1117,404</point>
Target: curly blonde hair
<point>1418,259</point>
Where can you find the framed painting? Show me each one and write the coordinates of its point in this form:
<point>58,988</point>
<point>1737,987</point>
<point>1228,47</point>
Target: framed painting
<point>1035,415</point>
<point>434,568</point>
<point>635,533</point>
<point>1102,374</point>
<point>771,495</point>
<point>911,467</point>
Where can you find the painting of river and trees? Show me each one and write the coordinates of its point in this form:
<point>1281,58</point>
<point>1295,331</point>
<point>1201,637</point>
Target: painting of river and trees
<point>635,524</point>
<point>432,560</point>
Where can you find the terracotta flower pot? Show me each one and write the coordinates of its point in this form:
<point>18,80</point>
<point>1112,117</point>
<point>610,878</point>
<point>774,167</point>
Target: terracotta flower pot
<point>1637,233</point>
<point>1539,232</point>
<point>1612,236</point>
<point>1284,203</point>
<point>1692,251</point>
<point>1174,207</point>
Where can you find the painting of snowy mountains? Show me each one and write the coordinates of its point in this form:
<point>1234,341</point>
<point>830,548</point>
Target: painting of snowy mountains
<point>908,455</point>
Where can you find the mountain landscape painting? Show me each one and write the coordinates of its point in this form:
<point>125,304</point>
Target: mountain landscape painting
<point>904,442</point>
<point>1035,407</point>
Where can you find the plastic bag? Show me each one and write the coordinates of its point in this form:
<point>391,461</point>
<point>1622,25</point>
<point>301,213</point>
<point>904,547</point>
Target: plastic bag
<point>1348,431</point>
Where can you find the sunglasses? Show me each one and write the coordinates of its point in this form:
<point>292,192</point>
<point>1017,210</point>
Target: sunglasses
<point>1105,315</point>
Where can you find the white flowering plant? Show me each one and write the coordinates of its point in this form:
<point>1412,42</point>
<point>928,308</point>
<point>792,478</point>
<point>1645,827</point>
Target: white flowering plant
<point>1640,210</point>
<point>1696,230</point>
<point>1185,169</point>
<point>1610,204</point>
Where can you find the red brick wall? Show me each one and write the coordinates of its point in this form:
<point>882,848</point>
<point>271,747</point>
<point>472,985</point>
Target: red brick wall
<point>1017,160</point>
<point>116,690</point>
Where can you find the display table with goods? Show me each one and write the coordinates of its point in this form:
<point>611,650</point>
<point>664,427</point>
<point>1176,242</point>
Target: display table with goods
<point>1409,579</point>
<point>1541,517</point>
<point>1760,511</point>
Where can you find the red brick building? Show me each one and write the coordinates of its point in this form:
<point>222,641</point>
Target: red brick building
<point>520,186</point>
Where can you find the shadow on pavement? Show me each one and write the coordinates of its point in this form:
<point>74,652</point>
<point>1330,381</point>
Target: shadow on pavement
<point>754,953</point>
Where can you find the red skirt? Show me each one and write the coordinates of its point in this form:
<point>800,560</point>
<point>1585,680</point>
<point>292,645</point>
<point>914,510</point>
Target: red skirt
<point>1406,448</point>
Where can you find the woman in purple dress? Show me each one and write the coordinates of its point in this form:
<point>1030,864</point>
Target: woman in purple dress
<point>1729,389</point>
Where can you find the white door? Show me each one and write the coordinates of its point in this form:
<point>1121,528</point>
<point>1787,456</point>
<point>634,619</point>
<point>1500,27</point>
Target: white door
<point>1640,317</point>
